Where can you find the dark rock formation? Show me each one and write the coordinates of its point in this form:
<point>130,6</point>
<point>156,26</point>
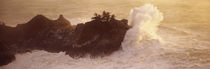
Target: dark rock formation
<point>5,56</point>
<point>99,37</point>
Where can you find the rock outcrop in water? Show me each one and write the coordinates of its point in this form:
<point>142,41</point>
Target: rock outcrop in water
<point>5,56</point>
<point>99,37</point>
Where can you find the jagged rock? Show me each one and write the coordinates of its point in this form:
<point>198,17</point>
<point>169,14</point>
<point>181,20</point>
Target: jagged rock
<point>99,37</point>
<point>63,20</point>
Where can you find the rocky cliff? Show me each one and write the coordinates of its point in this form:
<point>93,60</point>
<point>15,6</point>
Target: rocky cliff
<point>99,37</point>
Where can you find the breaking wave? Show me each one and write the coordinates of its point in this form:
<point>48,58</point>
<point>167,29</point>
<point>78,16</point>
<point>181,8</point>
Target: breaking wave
<point>141,49</point>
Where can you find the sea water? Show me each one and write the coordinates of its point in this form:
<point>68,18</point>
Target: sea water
<point>164,34</point>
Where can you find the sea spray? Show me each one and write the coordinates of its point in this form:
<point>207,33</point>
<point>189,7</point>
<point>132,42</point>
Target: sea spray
<point>144,21</point>
<point>141,49</point>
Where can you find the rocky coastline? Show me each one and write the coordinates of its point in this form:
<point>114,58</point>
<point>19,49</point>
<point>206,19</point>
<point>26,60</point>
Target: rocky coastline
<point>99,37</point>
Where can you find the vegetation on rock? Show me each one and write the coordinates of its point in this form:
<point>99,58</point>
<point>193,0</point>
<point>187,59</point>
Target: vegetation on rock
<point>99,37</point>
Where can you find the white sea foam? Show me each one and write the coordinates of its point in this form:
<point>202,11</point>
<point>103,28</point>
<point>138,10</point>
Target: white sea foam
<point>141,49</point>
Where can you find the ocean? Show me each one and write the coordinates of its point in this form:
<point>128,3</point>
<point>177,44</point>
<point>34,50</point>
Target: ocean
<point>165,34</point>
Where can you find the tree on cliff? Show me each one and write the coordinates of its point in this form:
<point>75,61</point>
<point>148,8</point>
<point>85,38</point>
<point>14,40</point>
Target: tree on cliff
<point>105,17</point>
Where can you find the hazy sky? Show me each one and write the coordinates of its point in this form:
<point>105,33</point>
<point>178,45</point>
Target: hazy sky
<point>175,11</point>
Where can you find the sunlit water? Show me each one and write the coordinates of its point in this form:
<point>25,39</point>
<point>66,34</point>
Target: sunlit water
<point>184,30</point>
